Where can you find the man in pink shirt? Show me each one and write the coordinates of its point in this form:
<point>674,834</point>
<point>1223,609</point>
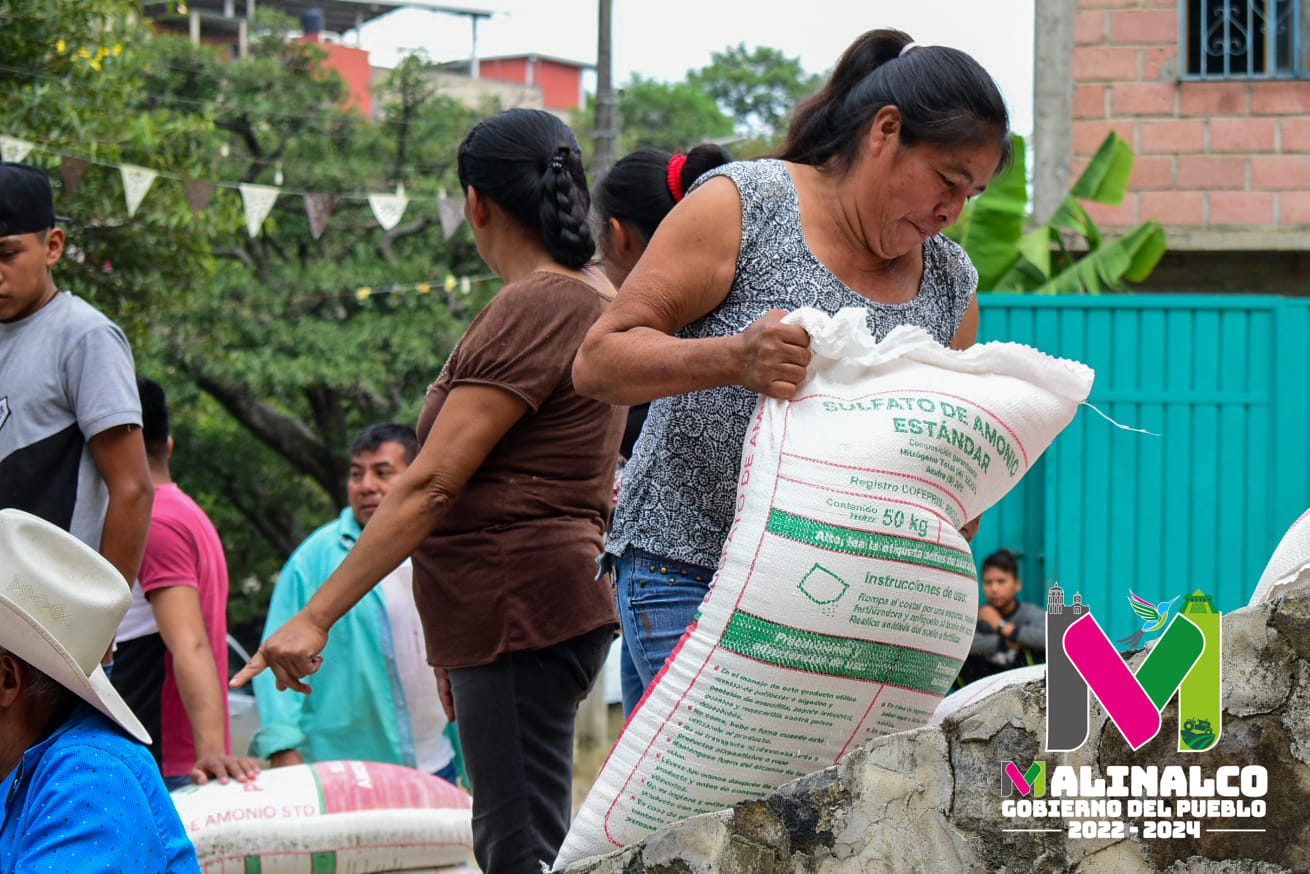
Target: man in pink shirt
<point>171,661</point>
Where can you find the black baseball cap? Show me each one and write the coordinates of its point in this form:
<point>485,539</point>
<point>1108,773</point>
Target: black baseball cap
<point>27,205</point>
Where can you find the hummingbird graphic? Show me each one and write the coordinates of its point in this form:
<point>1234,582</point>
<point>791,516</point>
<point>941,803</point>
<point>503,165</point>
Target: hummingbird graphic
<point>1153,616</point>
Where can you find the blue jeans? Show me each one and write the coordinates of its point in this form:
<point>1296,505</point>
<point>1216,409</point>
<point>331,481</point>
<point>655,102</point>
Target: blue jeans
<point>448,772</point>
<point>657,598</point>
<point>171,783</point>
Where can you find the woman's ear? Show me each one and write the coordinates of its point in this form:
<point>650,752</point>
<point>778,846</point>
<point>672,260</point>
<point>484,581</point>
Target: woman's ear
<point>626,244</point>
<point>476,208</point>
<point>885,129</point>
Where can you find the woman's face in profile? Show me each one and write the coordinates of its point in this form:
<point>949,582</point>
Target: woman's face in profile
<point>922,189</point>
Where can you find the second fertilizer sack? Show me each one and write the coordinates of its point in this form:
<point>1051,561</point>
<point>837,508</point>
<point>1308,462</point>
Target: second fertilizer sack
<point>846,597</point>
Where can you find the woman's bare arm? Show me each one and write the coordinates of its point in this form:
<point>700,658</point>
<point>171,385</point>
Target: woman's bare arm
<point>472,421</point>
<point>630,356</point>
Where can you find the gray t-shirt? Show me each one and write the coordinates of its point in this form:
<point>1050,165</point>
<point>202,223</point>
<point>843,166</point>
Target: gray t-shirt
<point>678,487</point>
<point>66,375</point>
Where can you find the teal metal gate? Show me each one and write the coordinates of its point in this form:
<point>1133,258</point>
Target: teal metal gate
<point>1225,382</point>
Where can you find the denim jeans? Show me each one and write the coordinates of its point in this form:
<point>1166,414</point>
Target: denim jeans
<point>657,598</point>
<point>171,783</point>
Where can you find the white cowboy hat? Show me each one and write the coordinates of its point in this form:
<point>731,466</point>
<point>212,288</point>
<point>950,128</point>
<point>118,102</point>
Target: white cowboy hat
<point>60,605</point>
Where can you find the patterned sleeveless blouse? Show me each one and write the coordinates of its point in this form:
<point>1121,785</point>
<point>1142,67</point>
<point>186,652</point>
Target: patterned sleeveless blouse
<point>679,486</point>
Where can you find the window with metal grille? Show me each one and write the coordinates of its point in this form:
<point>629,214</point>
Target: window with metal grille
<point>1244,39</point>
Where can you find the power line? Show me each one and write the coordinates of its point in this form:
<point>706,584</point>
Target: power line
<point>335,113</point>
<point>61,151</point>
<point>418,169</point>
<point>448,285</point>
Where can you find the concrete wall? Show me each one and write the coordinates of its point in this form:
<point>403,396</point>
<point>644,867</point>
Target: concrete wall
<point>1279,272</point>
<point>478,94</point>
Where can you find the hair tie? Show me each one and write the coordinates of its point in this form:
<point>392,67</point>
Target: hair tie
<point>557,161</point>
<point>675,176</point>
<point>905,48</point>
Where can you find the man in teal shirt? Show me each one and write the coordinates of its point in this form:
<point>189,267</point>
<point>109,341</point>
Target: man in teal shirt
<point>375,697</point>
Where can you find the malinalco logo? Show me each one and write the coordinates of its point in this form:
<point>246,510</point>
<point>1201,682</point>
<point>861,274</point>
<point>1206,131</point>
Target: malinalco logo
<point>1116,801</point>
<point>1030,782</point>
<point>1080,658</point>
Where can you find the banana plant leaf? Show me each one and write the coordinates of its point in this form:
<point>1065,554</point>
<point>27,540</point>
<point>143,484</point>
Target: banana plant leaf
<point>1032,268</point>
<point>1070,216</point>
<point>990,228</point>
<point>1106,178</point>
<point>1110,267</point>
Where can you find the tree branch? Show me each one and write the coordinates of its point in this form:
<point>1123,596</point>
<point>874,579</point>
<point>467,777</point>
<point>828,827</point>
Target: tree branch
<point>399,232</point>
<point>274,523</point>
<point>284,434</point>
<point>238,253</point>
<point>325,404</point>
<point>242,128</point>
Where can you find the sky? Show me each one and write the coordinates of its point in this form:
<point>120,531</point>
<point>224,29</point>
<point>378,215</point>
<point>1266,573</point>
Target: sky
<point>663,39</point>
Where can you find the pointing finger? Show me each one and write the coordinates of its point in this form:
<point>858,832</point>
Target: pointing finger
<point>252,668</point>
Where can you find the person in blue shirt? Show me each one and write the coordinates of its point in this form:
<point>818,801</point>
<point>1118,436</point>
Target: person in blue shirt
<point>378,696</point>
<point>81,791</point>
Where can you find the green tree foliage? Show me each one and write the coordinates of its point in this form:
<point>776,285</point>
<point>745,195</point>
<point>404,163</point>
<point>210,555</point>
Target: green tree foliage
<point>1067,254</point>
<point>31,29</point>
<point>262,338</point>
<point>69,74</point>
<point>757,87</point>
<point>659,115</point>
<point>742,98</point>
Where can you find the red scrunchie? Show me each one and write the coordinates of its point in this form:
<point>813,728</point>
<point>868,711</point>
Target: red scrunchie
<point>675,176</point>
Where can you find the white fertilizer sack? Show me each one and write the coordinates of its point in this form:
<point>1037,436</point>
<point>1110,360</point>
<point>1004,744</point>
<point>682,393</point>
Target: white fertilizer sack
<point>347,816</point>
<point>985,687</point>
<point>1289,566</point>
<point>846,598</point>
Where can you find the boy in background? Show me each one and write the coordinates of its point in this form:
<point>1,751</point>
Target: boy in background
<point>70,422</point>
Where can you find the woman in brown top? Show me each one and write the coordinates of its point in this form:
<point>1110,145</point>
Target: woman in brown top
<point>504,507</point>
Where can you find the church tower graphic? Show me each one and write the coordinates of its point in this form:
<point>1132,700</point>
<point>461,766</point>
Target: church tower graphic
<point>1066,693</point>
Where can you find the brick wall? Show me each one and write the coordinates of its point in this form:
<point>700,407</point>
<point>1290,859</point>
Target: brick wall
<point>1210,155</point>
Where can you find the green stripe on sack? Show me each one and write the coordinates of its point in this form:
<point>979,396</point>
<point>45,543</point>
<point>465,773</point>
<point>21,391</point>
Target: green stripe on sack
<point>318,789</point>
<point>765,641</point>
<point>253,865</point>
<point>870,544</point>
<point>323,863</point>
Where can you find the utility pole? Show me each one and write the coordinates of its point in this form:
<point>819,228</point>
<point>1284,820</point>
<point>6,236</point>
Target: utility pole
<point>605,131</point>
<point>592,725</point>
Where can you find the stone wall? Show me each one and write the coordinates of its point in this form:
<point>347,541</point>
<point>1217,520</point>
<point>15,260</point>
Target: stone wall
<point>928,800</point>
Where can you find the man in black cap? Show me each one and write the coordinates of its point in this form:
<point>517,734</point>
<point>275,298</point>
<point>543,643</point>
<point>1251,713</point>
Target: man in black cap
<point>71,449</point>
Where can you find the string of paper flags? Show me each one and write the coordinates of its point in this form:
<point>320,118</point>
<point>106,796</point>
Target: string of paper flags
<point>450,285</point>
<point>257,199</point>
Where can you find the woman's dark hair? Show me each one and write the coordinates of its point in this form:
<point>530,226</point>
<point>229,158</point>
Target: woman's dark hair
<point>944,97</point>
<point>1004,561</point>
<point>528,162</point>
<point>636,190</point>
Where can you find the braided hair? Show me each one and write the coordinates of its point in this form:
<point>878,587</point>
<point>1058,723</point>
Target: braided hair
<point>528,163</point>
